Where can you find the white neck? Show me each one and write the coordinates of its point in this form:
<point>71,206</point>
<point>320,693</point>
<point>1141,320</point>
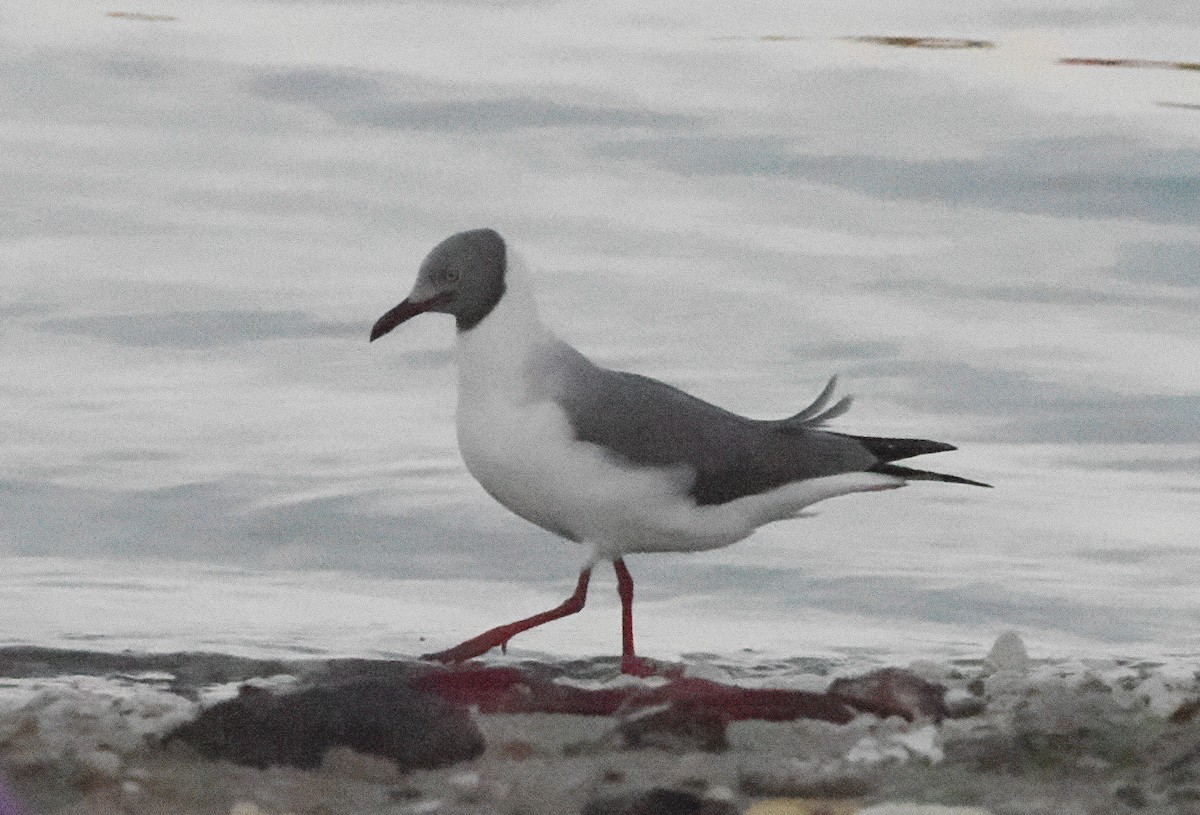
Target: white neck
<point>495,354</point>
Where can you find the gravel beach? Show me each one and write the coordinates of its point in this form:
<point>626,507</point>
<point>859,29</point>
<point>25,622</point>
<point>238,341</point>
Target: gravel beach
<point>86,732</point>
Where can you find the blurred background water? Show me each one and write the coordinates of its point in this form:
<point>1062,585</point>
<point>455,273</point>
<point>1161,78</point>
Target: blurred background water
<point>205,207</point>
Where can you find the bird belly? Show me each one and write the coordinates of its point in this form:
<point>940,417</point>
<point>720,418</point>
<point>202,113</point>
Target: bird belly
<point>526,456</point>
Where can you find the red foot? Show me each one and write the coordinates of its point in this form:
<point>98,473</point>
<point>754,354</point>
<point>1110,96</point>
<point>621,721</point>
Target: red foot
<point>474,647</point>
<point>501,634</point>
<point>642,667</point>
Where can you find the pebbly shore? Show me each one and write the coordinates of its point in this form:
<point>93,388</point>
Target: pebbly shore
<point>211,734</point>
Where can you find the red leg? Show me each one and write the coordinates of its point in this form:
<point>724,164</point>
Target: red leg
<point>478,646</point>
<point>630,663</point>
<point>625,590</point>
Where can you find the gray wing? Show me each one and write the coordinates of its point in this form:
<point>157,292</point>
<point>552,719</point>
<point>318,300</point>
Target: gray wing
<point>650,423</point>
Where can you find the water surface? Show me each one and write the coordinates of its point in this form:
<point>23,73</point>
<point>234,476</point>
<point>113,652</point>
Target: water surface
<point>203,216</point>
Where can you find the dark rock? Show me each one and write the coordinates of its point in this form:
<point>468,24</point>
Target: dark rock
<point>892,692</point>
<point>392,720</point>
<point>658,801</point>
<point>684,726</point>
<point>1185,712</point>
<point>1131,795</point>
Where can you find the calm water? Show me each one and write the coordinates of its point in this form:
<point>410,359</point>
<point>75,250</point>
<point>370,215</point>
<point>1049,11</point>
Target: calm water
<point>204,211</point>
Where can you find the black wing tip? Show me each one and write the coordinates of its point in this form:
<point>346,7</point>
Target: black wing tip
<point>924,475</point>
<point>891,449</point>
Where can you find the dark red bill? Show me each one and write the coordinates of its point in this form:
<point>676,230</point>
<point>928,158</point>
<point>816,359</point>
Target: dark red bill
<point>406,310</point>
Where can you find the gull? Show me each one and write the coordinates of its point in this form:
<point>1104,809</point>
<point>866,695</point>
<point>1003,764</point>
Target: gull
<point>619,462</point>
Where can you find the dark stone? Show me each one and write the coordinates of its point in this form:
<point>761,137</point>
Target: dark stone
<point>684,726</point>
<point>892,692</point>
<point>658,801</point>
<point>1131,796</point>
<point>1185,712</point>
<point>389,719</point>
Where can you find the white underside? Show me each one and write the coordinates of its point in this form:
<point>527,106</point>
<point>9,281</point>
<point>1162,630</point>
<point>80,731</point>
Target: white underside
<point>519,445</point>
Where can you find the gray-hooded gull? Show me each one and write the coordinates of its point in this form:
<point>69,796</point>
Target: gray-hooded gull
<point>620,462</point>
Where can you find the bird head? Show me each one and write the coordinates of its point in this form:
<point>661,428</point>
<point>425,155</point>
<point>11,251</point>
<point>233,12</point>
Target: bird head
<point>462,276</point>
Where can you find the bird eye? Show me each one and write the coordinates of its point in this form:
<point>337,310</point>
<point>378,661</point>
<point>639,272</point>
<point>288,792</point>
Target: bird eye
<point>450,276</point>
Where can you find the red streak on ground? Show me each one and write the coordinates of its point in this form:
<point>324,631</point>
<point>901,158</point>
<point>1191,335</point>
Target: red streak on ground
<point>510,690</point>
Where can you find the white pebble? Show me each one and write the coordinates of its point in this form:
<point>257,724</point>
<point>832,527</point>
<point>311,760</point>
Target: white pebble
<point>922,742</point>
<point>246,808</point>
<point>1009,654</point>
<point>465,782</point>
<point>423,808</point>
<point>1157,696</point>
<point>720,792</point>
<point>870,750</point>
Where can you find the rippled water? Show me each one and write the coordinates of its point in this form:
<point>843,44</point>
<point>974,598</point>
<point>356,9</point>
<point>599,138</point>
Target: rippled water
<point>206,210</point>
